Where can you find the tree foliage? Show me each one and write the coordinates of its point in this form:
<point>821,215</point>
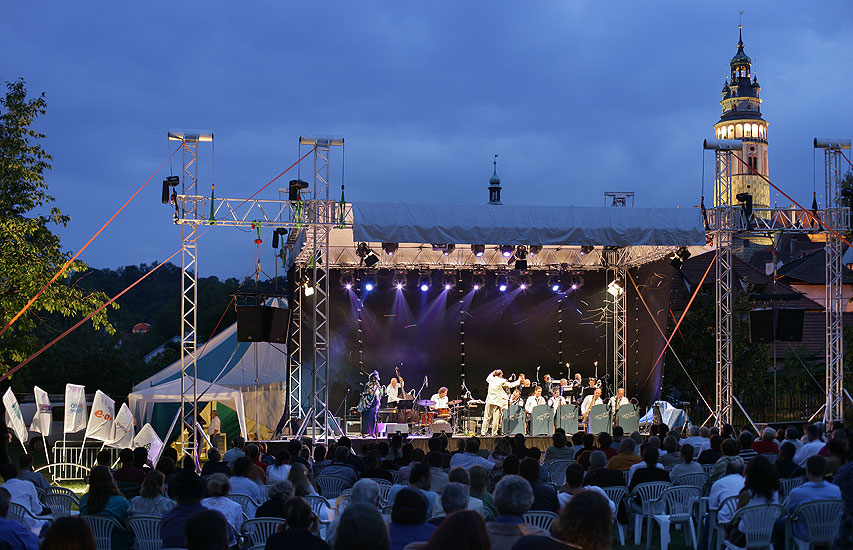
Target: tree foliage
<point>30,253</point>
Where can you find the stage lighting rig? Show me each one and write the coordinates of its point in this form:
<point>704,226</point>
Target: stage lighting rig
<point>526,281</point>
<point>370,282</point>
<point>277,233</point>
<point>445,249</point>
<point>390,248</point>
<point>399,280</point>
<point>347,280</point>
<point>615,289</point>
<point>478,281</point>
<point>448,281</point>
<point>535,249</point>
<point>294,187</point>
<point>478,250</point>
<point>576,280</point>
<point>554,282</point>
<point>368,256</point>
<point>170,181</point>
<point>307,286</point>
<point>520,257</point>
<point>502,282</point>
<point>507,250</point>
<point>586,249</point>
<point>425,281</point>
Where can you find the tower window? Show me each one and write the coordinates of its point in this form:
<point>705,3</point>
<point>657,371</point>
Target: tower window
<point>731,131</point>
<point>753,163</point>
<point>755,130</point>
<point>747,131</point>
<point>739,131</point>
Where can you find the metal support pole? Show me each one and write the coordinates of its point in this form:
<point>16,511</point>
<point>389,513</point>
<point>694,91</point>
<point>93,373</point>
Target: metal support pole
<point>620,334</point>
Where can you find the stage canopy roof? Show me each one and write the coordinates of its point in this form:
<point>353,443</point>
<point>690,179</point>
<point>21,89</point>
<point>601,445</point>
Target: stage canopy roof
<point>635,235</point>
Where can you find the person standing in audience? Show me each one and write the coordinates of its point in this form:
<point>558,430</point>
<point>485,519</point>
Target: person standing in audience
<point>409,519</point>
<point>362,528</point>
<point>461,530</point>
<point>104,499</point>
<point>14,535</point>
<point>299,529</point>
<point>151,501</point>
<point>687,466</point>
<point>189,490</point>
<point>217,490</point>
<point>544,494</point>
<point>513,497</point>
<point>207,530</point>
<point>586,522</point>
<point>713,453</point>
<point>625,458</point>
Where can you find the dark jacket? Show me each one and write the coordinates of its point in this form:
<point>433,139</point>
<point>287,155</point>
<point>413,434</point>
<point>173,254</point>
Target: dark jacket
<point>604,478</point>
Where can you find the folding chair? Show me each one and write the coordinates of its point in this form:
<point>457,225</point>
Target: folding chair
<point>557,471</point>
<point>331,487</point>
<point>616,494</point>
<point>257,531</point>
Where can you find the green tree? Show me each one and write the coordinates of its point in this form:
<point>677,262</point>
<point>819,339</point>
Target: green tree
<point>30,253</point>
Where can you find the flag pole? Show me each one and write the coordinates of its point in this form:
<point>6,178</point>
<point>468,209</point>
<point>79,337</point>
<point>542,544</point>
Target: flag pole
<point>47,455</point>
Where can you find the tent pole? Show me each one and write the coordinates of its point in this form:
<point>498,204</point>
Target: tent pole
<point>46,455</point>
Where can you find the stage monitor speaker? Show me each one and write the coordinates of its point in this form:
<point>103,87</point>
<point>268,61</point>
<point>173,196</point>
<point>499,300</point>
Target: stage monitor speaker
<point>391,429</point>
<point>789,326</point>
<point>250,323</point>
<point>440,426</point>
<point>761,326</point>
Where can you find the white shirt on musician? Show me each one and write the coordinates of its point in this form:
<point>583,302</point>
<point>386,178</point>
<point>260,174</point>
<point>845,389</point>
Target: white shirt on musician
<point>440,402</point>
<point>555,402</point>
<point>623,401</point>
<point>497,390</point>
<point>533,401</point>
<point>589,402</point>
<point>393,391</point>
<point>519,401</point>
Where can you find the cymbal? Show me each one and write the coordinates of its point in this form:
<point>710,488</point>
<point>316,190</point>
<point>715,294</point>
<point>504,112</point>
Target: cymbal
<point>454,402</point>
<point>475,402</point>
<point>426,403</point>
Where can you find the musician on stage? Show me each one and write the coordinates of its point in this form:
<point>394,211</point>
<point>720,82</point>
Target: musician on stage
<point>547,384</point>
<point>618,400</point>
<point>590,401</point>
<point>368,404</point>
<point>515,398</point>
<point>440,399</point>
<point>590,388</point>
<point>577,388</point>
<point>395,391</point>
<point>496,400</point>
<point>556,399</point>
<point>534,400</point>
<point>526,388</point>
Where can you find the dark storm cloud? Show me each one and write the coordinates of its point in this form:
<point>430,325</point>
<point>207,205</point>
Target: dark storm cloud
<point>576,97</point>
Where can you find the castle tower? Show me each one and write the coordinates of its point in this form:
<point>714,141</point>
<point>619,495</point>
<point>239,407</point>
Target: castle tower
<point>741,119</point>
<point>495,185</point>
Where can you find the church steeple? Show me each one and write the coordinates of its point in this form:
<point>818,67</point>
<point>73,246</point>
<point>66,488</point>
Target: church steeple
<point>741,119</point>
<point>495,185</point>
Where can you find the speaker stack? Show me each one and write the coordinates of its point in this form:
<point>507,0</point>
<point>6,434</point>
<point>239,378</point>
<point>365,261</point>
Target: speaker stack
<point>262,324</point>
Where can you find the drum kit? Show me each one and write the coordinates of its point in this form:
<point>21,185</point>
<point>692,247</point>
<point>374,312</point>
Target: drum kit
<point>451,414</point>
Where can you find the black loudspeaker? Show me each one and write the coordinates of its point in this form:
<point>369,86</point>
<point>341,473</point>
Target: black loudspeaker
<point>761,326</point>
<point>262,324</point>
<point>789,326</point>
<point>250,323</point>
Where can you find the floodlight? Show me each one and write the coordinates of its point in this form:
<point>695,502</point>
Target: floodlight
<point>615,289</point>
<point>390,248</point>
<point>478,250</point>
<point>554,282</point>
<point>368,257</point>
<point>502,283</point>
<point>507,250</point>
<point>478,281</point>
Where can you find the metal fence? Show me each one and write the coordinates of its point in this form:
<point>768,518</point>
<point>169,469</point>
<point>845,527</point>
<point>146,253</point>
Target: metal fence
<point>73,462</point>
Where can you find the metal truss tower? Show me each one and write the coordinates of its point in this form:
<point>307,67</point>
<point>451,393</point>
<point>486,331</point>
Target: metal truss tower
<point>725,221</point>
<point>835,217</point>
<point>614,259</point>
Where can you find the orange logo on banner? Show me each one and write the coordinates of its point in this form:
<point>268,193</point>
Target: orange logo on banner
<point>101,414</point>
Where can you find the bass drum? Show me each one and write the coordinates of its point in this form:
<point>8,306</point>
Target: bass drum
<point>427,417</point>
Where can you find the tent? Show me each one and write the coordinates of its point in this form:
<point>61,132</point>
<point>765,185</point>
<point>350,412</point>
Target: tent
<point>141,402</point>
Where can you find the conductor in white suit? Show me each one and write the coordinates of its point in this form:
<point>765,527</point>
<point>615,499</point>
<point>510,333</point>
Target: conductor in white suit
<point>496,400</point>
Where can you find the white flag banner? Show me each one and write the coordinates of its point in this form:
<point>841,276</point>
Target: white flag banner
<point>100,426</point>
<point>75,408</point>
<point>43,418</point>
<point>123,428</point>
<point>149,439</point>
<point>14,418</point>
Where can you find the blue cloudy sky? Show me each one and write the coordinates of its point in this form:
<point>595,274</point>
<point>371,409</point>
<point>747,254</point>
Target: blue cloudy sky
<point>577,98</point>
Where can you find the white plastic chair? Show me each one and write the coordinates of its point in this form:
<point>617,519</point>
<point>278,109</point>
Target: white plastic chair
<point>540,518</point>
<point>320,507</point>
<point>257,531</point>
<point>146,529</point>
<point>758,521</point>
<point>718,530</point>
<point>708,468</point>
<point>21,514</point>
<point>649,494</point>
<point>786,484</point>
<point>60,504</point>
<point>617,494</point>
<point>678,502</point>
<point>53,490</point>
<point>102,528</point>
<point>331,487</point>
<point>384,490</point>
<point>691,480</point>
<point>379,481</point>
<point>246,502</point>
<point>341,504</point>
<point>557,471</point>
<point>821,518</point>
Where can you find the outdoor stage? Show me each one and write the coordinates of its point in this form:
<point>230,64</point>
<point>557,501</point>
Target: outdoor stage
<point>420,442</point>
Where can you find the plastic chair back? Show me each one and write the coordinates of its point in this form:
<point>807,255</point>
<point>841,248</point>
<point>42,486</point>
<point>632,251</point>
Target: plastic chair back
<point>790,483</point>
<point>146,529</point>
<point>384,490</point>
<point>615,494</point>
<point>379,481</point>
<point>331,487</point>
<point>557,470</point>
<point>60,504</point>
<point>691,480</point>
<point>102,528</point>
<point>319,505</point>
<point>540,518</point>
<point>822,518</point>
<point>246,502</point>
<point>707,468</point>
<point>650,494</point>
<point>258,530</point>
<point>757,523</point>
<point>341,503</point>
<point>679,501</point>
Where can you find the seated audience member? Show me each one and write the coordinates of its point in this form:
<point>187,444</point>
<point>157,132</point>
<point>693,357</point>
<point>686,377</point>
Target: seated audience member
<point>503,448</point>
<point>730,485</point>
<point>688,465</point>
<point>815,488</point>
<point>544,494</point>
<point>471,457</point>
<point>838,451</point>
<point>767,443</point>
<point>460,475</point>
<point>128,472</point>
<point>785,465</point>
<point>214,464</point>
<point>713,453</point>
<point>151,501</point>
<point>240,482</point>
<point>536,454</point>
<point>671,457</point>
<point>626,457</point>
<point>353,460</point>
<point>559,449</point>
<point>257,469</point>
<point>812,447</point>
<point>746,440</point>
<point>104,499</point>
<point>104,458</point>
<point>438,477</point>
<point>605,443</point>
<point>408,519</point>
<point>320,460</point>
<point>791,435</point>
<point>281,468</point>
<point>461,530</point>
<point>361,527</point>
<point>189,490</point>
<point>13,534</point>
<point>304,486</point>
<point>582,456</point>
<point>731,452</point>
<point>26,473</point>
<point>513,498</point>
<point>166,466</point>
<point>68,533</point>
<point>573,487</point>
<point>577,443</point>
<point>642,464</point>
<point>419,479</point>
<point>585,522</point>
<point>266,458</point>
<point>339,467</point>
<point>416,456</point>
<point>510,466</point>
<point>217,490</point>
<point>235,452</point>
<point>519,446</point>
<point>297,533</point>
<point>694,439</point>
<point>140,459</point>
<point>364,491</point>
<point>761,486</point>
<point>649,471</point>
<point>479,477</point>
<point>454,497</point>
<point>207,530</point>
<point>599,475</point>
<point>279,492</point>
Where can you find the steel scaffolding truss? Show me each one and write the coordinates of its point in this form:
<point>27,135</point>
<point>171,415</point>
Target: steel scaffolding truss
<point>620,326</point>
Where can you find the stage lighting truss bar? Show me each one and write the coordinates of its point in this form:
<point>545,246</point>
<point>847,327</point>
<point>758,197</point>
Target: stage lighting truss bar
<point>230,212</point>
<point>765,220</point>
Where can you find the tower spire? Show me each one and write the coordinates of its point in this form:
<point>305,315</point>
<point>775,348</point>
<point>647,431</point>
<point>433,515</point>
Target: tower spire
<point>495,185</point>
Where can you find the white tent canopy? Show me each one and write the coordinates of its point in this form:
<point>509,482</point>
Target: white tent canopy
<point>141,402</point>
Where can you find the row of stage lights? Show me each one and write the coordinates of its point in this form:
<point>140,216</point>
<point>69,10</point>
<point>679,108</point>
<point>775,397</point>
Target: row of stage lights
<point>449,281</point>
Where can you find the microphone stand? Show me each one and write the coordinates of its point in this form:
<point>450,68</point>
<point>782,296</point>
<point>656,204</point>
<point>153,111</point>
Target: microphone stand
<point>344,403</point>
<point>418,397</point>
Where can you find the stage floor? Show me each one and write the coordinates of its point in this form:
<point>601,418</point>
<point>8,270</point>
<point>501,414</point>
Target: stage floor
<point>420,442</point>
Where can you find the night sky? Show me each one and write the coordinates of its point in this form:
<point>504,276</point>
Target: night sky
<point>576,97</point>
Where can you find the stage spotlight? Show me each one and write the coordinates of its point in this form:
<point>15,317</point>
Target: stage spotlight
<point>535,249</point>
<point>307,286</point>
<point>683,253</point>
<point>399,280</point>
<point>293,189</point>
<point>502,283</point>
<point>390,248</point>
<point>449,281</point>
<point>521,252</point>
<point>576,281</point>
<point>554,282</point>
<point>478,281</point>
<point>445,249</point>
<point>424,282</point>
<point>586,249</point>
<point>347,280</point>
<point>526,282</point>
<point>478,250</point>
<point>615,289</point>
<point>368,257</point>
<point>506,250</point>
<point>369,282</point>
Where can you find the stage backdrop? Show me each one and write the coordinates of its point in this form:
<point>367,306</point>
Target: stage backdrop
<point>516,330</point>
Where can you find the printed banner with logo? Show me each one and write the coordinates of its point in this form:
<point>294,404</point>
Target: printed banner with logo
<point>149,439</point>
<point>43,418</point>
<point>123,428</point>
<point>75,408</point>
<point>14,418</point>
<point>100,426</point>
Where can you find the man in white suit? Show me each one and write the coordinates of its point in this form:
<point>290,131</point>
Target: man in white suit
<point>496,400</point>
